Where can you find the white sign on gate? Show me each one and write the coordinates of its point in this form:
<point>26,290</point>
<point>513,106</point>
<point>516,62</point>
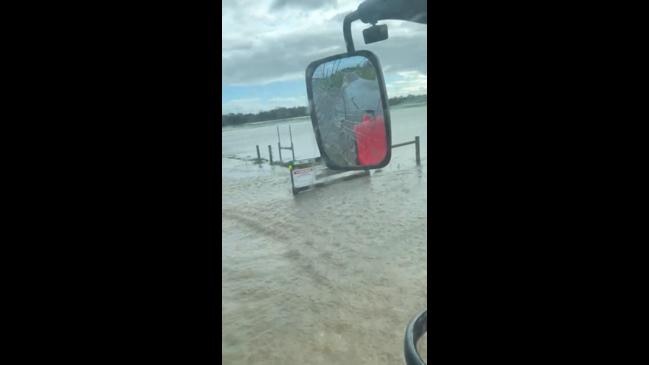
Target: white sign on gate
<point>303,177</point>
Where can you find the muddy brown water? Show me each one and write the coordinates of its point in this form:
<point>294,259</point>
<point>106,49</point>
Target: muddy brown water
<point>331,276</point>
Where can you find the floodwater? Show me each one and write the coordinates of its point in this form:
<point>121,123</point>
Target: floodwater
<point>332,275</point>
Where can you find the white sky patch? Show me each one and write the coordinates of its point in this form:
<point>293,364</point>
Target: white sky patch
<point>246,105</point>
<point>410,83</point>
<point>266,81</point>
<point>288,101</point>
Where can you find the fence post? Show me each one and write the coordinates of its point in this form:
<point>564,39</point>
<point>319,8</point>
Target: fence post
<point>270,155</point>
<point>279,145</point>
<point>291,137</point>
<point>417,150</point>
<point>258,155</point>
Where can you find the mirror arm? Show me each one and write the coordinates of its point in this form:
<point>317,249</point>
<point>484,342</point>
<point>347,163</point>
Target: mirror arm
<point>347,30</point>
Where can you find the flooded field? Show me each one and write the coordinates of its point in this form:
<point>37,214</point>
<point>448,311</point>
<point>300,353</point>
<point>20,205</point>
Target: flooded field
<point>332,275</point>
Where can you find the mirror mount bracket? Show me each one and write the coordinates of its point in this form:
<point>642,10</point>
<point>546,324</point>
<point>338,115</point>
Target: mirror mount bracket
<point>347,30</point>
<point>371,11</point>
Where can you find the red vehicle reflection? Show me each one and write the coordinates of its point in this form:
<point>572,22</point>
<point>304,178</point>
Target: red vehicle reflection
<point>371,143</point>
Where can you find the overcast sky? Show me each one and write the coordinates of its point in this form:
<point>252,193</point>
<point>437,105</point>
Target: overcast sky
<point>267,45</point>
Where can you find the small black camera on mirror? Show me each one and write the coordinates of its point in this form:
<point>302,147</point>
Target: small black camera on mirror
<point>375,33</point>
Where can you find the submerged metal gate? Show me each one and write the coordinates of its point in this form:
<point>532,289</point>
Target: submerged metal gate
<point>309,173</point>
<point>279,144</point>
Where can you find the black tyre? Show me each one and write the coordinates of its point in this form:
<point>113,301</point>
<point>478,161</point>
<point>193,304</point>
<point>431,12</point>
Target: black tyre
<point>416,328</point>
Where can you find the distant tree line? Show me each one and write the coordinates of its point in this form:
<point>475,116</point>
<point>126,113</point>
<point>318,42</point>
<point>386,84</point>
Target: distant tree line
<point>277,113</point>
<point>299,111</point>
<point>410,99</point>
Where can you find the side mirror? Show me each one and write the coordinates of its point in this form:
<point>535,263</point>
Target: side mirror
<point>349,111</point>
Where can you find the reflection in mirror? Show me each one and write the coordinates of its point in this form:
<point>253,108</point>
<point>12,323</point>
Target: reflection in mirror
<point>349,112</point>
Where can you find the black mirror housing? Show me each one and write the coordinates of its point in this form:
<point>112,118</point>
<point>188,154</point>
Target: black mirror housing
<point>349,111</point>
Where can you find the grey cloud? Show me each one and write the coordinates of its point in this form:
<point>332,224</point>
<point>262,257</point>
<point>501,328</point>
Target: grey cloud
<point>338,18</point>
<point>289,56</point>
<point>237,45</point>
<point>278,58</point>
<point>401,54</point>
<point>303,4</point>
